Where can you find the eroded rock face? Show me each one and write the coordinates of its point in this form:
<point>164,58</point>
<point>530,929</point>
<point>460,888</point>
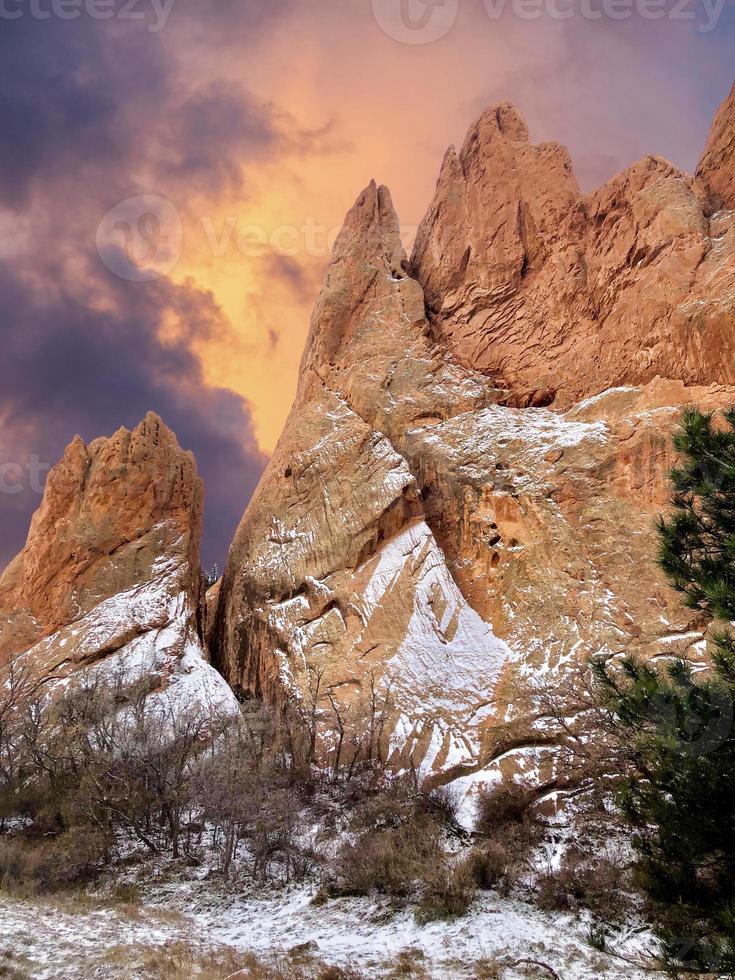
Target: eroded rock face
<point>717,166</point>
<point>557,295</point>
<point>110,576</point>
<point>464,494</point>
<point>337,596</point>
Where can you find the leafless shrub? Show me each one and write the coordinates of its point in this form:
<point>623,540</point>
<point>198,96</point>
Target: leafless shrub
<point>492,865</point>
<point>399,850</point>
<point>447,891</point>
<point>584,882</point>
<point>392,861</point>
<point>347,736</point>
<point>248,797</point>
<point>500,806</point>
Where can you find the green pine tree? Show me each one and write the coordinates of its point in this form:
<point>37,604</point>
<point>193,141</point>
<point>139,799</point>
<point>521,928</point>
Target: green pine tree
<point>678,726</point>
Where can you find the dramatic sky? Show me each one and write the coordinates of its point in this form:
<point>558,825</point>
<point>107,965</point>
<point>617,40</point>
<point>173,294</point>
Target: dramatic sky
<point>172,172</point>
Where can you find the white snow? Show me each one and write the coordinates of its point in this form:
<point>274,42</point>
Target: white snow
<point>361,932</point>
<point>471,438</point>
<point>448,661</point>
<point>696,635</point>
<point>151,633</point>
<point>447,644</point>
<point>596,399</point>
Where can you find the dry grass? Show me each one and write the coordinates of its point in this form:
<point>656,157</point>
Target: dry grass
<point>487,969</point>
<point>409,963</point>
<point>124,901</point>
<point>392,861</point>
<point>47,866</point>
<point>182,961</point>
<point>13,966</point>
<point>446,892</point>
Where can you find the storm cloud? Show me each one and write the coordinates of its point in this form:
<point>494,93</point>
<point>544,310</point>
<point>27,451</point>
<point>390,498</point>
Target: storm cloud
<point>90,114</point>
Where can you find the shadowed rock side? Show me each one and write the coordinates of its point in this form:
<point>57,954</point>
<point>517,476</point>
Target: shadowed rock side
<point>110,576</point>
<point>423,540</point>
<point>558,295</point>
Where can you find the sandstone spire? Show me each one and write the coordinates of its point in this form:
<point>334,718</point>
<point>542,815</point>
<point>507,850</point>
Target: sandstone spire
<point>717,166</point>
<point>109,511</point>
<point>337,599</point>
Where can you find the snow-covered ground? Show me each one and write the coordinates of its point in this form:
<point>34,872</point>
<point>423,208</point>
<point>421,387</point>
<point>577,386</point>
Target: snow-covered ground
<point>54,943</point>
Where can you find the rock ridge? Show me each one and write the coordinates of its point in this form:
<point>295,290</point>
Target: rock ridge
<point>557,295</point>
<point>477,448</point>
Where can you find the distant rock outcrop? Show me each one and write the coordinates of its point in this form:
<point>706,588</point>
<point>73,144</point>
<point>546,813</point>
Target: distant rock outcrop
<point>110,573</point>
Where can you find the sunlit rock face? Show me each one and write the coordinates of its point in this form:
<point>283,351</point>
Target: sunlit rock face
<point>109,578</point>
<point>337,596</point>
<point>558,295</point>
<point>464,494</point>
<point>717,166</point>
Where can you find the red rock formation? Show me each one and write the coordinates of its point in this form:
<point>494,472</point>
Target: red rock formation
<point>336,596</point>
<point>717,166</point>
<point>412,519</point>
<point>109,512</point>
<point>110,572</point>
<point>556,295</point>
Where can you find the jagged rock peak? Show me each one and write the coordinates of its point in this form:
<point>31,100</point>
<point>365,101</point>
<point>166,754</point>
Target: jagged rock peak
<point>109,580</point>
<point>368,258</point>
<point>717,166</point>
<point>555,295</point>
<point>370,220</point>
<point>504,119</point>
<point>110,509</point>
